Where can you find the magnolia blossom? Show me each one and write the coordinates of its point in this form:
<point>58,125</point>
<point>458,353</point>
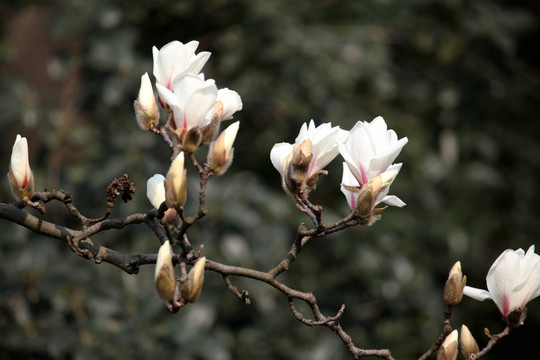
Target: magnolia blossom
<point>512,281</point>
<point>155,190</point>
<point>323,148</point>
<point>175,59</point>
<point>20,175</point>
<point>369,151</point>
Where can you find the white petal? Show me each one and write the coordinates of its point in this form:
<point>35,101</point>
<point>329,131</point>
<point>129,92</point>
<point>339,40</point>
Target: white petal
<point>478,294</point>
<point>199,103</point>
<point>278,153</point>
<point>353,166</point>
<point>348,179</point>
<point>197,63</point>
<point>155,190</point>
<point>19,159</point>
<point>393,200</point>
<point>231,102</point>
<point>383,159</point>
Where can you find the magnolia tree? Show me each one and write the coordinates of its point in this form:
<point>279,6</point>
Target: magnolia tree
<point>194,110</point>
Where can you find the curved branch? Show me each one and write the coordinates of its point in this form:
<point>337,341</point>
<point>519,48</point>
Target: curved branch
<point>309,298</point>
<point>81,245</point>
<point>80,242</point>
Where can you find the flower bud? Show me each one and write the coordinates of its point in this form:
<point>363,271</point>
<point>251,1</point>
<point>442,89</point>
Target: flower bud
<point>164,275</point>
<point>448,349</point>
<point>20,176</point>
<point>453,289</point>
<point>155,190</point>
<point>175,183</point>
<point>195,278</point>
<point>221,151</point>
<point>467,342</point>
<point>146,110</point>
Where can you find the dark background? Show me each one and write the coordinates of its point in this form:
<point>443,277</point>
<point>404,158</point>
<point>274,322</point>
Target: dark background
<point>459,78</point>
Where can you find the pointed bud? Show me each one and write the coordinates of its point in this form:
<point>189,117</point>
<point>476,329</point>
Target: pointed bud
<point>453,289</point>
<point>164,275</point>
<point>193,285</point>
<point>467,342</point>
<point>155,190</point>
<point>175,183</point>
<point>146,110</point>
<point>20,176</point>
<point>221,151</point>
<point>448,349</point>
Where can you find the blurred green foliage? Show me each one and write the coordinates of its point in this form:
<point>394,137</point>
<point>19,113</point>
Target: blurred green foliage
<point>459,78</point>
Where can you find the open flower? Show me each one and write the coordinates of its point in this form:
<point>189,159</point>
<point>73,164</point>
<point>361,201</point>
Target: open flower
<point>191,100</point>
<point>368,172</point>
<point>370,149</point>
<point>20,176</point>
<point>512,281</point>
<point>176,59</point>
<point>313,149</point>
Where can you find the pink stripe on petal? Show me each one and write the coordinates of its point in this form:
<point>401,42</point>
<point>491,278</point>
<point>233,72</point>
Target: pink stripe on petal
<point>25,180</point>
<point>506,305</point>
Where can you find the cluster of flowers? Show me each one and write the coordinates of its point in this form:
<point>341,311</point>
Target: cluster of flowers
<point>195,108</point>
<point>368,150</point>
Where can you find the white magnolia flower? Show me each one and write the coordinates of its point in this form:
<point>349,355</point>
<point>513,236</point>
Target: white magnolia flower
<point>176,59</point>
<point>323,147</point>
<point>20,176</point>
<point>191,100</point>
<point>512,281</point>
<point>155,190</point>
<point>370,149</point>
